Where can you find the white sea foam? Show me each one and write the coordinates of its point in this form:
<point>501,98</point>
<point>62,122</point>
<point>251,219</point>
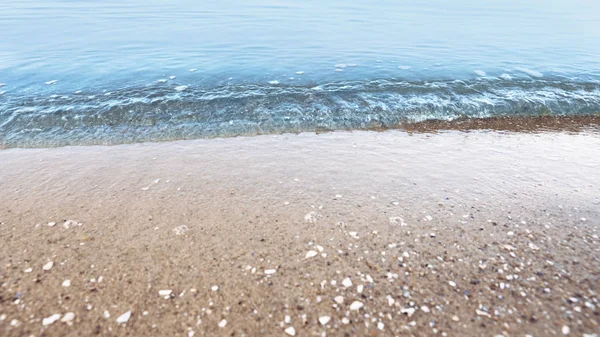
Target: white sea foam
<point>404,67</point>
<point>274,82</point>
<point>480,73</point>
<point>51,82</point>
<point>506,77</point>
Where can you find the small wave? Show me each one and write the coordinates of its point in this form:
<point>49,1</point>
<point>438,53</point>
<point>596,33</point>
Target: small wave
<point>163,111</point>
<point>530,72</point>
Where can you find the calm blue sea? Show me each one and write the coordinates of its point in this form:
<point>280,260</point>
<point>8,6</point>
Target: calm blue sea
<point>106,72</point>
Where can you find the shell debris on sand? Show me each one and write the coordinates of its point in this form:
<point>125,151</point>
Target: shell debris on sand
<point>324,320</point>
<point>71,223</point>
<point>124,318</point>
<point>48,266</point>
<point>222,323</point>
<point>51,319</point>
<point>165,292</point>
<point>408,311</point>
<point>290,331</point>
<point>312,217</point>
<point>356,305</point>
<point>311,253</point>
<point>68,317</point>
<point>180,230</point>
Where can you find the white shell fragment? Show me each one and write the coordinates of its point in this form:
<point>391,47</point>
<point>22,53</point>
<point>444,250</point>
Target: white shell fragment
<point>165,292</point>
<point>48,266</point>
<point>356,305</point>
<point>68,317</point>
<point>51,319</point>
<point>311,253</point>
<point>408,311</point>
<point>124,318</point>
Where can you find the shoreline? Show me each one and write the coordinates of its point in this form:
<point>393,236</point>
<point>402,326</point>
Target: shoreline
<point>504,123</point>
<point>449,233</point>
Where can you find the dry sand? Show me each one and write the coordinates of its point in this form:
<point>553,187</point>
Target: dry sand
<point>447,234</point>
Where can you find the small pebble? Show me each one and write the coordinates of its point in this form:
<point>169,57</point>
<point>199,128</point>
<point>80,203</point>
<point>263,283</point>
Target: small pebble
<point>566,330</point>
<point>66,283</point>
<point>222,323</point>
<point>347,282</point>
<point>214,288</point>
<point>324,320</point>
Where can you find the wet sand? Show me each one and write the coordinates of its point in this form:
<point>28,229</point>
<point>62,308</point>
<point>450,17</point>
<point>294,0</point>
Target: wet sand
<point>340,234</point>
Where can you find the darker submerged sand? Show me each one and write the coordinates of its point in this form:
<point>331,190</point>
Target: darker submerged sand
<point>450,234</point>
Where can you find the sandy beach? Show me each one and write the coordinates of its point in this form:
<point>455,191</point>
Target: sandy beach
<point>451,233</point>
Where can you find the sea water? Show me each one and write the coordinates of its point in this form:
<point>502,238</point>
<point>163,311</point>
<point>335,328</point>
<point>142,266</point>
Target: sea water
<point>108,72</point>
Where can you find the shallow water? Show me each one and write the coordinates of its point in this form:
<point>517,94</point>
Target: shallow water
<point>256,66</point>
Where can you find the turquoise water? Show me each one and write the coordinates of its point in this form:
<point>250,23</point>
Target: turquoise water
<point>88,72</point>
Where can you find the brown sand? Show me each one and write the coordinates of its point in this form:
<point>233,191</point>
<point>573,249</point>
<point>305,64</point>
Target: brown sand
<point>457,234</point>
